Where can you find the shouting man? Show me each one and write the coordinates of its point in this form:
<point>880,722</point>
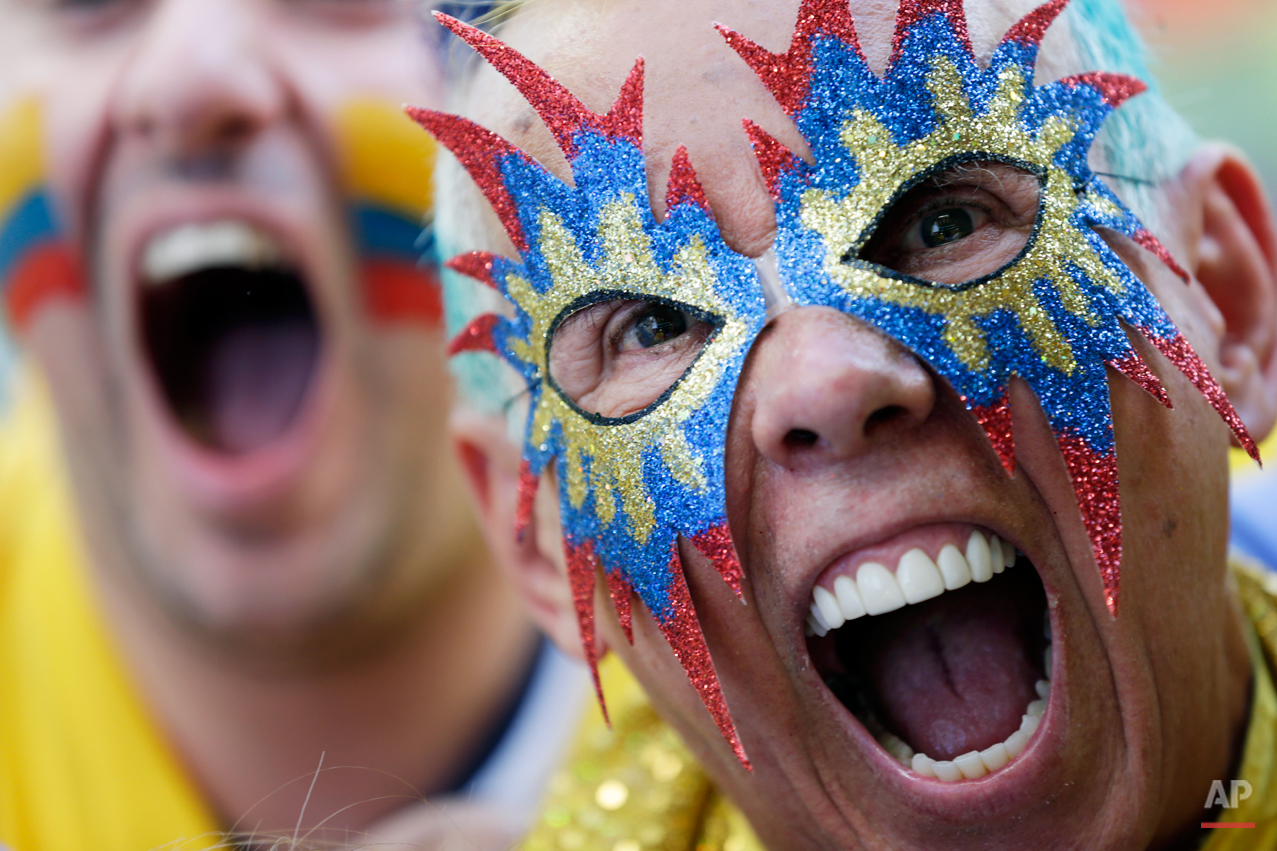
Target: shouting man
<point>243,594</point>
<point>884,361</point>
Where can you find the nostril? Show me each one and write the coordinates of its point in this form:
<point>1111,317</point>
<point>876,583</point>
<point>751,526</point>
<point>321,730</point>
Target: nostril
<point>884,416</point>
<point>232,130</point>
<point>800,438</point>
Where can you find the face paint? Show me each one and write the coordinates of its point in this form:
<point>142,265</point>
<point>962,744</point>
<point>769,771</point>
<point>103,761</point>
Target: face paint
<point>35,263</point>
<point>387,171</point>
<point>635,479</point>
<point>1058,312</point>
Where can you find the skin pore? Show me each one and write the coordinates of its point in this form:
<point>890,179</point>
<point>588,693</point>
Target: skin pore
<point>324,590</point>
<point>845,448</point>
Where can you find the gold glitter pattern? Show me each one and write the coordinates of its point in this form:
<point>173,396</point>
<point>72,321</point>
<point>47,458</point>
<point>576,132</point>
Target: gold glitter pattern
<point>1058,245</point>
<point>613,452</point>
<point>634,787</point>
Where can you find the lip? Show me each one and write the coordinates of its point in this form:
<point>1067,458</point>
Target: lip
<point>234,485</point>
<point>999,791</point>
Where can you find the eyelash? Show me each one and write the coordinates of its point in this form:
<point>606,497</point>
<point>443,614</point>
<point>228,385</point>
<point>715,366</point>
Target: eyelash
<point>947,203</point>
<point>625,322</point>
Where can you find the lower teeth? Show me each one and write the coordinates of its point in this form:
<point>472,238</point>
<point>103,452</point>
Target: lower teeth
<point>975,764</point>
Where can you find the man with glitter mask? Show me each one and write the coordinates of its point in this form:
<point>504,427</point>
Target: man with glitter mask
<point>241,601</point>
<point>875,366</point>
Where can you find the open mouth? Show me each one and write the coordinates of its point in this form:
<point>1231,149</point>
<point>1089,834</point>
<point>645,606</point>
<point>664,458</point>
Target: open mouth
<point>230,331</point>
<point>946,660</point>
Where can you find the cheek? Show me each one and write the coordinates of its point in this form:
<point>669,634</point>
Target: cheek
<point>76,105</point>
<point>64,340</point>
<point>1174,485</point>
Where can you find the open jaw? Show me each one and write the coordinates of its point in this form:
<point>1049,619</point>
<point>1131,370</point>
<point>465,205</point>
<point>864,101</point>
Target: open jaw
<point>230,331</point>
<point>945,660</point>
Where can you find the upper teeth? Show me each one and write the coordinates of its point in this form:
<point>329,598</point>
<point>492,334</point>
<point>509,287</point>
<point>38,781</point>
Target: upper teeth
<point>876,589</point>
<point>195,246</point>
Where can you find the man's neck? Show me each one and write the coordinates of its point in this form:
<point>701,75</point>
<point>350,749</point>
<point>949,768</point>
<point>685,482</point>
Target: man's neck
<point>396,724</point>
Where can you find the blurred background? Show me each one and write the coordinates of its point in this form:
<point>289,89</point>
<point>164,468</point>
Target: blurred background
<point>1216,61</point>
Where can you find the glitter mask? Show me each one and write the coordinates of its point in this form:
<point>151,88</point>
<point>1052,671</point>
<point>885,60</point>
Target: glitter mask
<point>630,486</point>
<point>1057,311</point>
<point>1056,315</point>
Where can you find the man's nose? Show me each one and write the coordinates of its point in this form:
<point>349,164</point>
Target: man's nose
<point>199,78</point>
<point>827,388</point>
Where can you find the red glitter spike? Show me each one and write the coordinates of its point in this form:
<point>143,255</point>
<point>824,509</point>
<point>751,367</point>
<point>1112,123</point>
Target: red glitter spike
<point>625,118</point>
<point>622,591</point>
<point>1095,485</point>
<point>1145,239</point>
<point>582,566</point>
<point>1134,368</point>
<point>683,187</point>
<point>913,11</point>
<point>995,419</point>
<point>481,152</point>
<point>1116,89</point>
<point>525,496</point>
<point>1180,353</point>
<point>559,109</point>
<point>476,337</point>
<point>716,544</point>
<point>1033,26</point>
<point>475,264</point>
<point>683,633</point>
<point>773,157</point>
<point>788,75</point>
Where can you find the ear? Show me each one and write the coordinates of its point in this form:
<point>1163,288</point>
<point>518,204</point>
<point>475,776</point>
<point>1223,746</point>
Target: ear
<point>536,564</point>
<point>1233,254</point>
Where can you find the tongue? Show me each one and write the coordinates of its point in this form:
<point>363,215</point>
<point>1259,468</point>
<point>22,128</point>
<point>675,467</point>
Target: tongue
<point>235,351</point>
<point>257,377</point>
<point>955,674</point>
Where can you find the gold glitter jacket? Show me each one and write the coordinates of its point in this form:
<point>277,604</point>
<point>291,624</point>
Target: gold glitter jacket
<point>636,788</point>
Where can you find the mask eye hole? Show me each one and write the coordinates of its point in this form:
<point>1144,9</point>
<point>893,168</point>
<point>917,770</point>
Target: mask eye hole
<point>617,356</point>
<point>958,223</point>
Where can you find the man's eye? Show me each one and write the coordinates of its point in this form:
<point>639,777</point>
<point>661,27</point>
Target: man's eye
<point>959,224</point>
<point>616,357</point>
<point>659,325</point>
<point>946,226</point>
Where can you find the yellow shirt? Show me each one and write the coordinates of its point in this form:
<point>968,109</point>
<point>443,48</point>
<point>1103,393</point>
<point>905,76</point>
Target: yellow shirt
<point>82,766</point>
<point>636,787</point>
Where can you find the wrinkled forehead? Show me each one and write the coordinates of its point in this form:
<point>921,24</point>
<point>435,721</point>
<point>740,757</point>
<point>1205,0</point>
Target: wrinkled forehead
<point>697,89</point>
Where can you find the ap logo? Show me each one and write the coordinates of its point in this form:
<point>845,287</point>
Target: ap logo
<point>1239,791</point>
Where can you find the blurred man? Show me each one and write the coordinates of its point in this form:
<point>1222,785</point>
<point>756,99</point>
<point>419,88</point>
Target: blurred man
<point>902,337</point>
<point>243,592</point>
